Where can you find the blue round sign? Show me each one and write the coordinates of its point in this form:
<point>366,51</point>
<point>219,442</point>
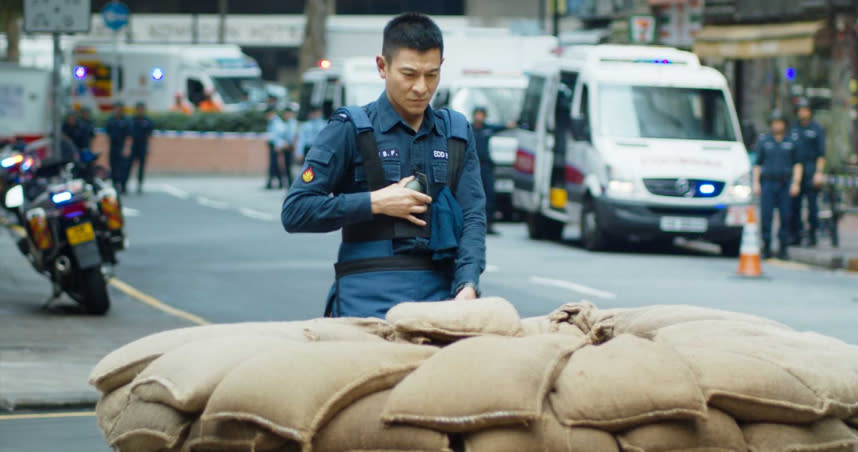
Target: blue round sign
<point>115,15</point>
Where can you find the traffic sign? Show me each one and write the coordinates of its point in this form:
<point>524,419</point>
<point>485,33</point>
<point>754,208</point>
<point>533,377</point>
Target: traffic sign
<point>115,15</point>
<point>57,16</point>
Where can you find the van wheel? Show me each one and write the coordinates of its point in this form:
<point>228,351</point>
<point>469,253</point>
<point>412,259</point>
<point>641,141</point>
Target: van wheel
<point>541,227</point>
<point>592,236</point>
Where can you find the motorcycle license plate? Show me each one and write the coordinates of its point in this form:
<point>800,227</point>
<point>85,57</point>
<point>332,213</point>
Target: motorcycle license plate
<point>81,233</point>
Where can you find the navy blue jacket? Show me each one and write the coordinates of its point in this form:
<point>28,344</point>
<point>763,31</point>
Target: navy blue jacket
<point>141,130</point>
<point>811,146</point>
<point>482,135</point>
<point>334,166</point>
<point>776,158</point>
<point>118,130</point>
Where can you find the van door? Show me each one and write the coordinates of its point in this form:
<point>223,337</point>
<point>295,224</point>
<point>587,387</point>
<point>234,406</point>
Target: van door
<point>562,133</point>
<point>580,157</point>
<point>530,123</point>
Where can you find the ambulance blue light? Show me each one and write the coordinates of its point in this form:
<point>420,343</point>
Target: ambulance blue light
<point>79,72</point>
<point>157,74</point>
<point>707,189</point>
<point>789,73</point>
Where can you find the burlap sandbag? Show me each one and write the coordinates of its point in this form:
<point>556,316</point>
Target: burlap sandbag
<point>626,382</point>
<point>826,366</point>
<point>110,406</point>
<point>294,389</point>
<point>542,435</point>
<point>645,321</point>
<point>185,377</point>
<point>533,326</point>
<point>751,389</point>
<point>447,321</point>
<point>234,436</point>
<point>120,366</point>
<point>481,382</point>
<point>358,427</point>
<point>145,426</point>
<point>717,432</point>
<point>853,421</point>
<point>827,435</point>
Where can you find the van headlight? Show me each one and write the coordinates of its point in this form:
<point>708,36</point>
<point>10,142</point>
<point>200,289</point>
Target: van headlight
<point>740,190</point>
<point>621,187</point>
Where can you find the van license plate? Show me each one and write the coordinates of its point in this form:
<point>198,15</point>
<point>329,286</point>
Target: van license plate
<point>684,224</point>
<point>503,185</point>
<point>81,233</point>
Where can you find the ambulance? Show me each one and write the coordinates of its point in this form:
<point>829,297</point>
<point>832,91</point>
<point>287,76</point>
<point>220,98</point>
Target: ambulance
<point>630,143</point>
<point>351,81</point>
<point>25,103</point>
<point>154,74</point>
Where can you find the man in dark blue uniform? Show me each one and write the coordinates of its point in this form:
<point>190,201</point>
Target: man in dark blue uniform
<point>386,174</point>
<point>811,154</point>
<point>141,130</point>
<point>118,129</point>
<point>777,177</point>
<point>482,134</point>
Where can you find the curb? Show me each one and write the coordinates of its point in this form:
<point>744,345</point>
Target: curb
<point>829,261</point>
<point>28,402</point>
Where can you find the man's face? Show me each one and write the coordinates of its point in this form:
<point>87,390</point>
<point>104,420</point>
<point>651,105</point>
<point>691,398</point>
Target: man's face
<point>804,114</point>
<point>288,115</point>
<point>117,111</point>
<point>140,110</point>
<point>479,117</point>
<point>410,79</point>
<point>778,126</point>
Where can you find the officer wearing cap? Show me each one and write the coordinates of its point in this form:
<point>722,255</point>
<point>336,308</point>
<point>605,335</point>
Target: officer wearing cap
<point>142,128</point>
<point>811,154</point>
<point>310,130</point>
<point>290,140</point>
<point>777,177</point>
<point>118,129</point>
<point>482,134</point>
<point>403,182</point>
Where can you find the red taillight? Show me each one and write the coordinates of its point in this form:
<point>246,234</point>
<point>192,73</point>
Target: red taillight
<point>74,210</point>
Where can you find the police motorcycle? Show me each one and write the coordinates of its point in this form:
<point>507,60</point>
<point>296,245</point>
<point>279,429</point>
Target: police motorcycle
<point>74,226</point>
<point>13,163</point>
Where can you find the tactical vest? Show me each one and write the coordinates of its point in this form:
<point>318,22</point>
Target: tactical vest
<point>383,227</point>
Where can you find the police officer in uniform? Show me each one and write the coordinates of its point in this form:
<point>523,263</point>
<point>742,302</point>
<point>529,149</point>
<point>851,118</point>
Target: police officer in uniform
<point>811,153</point>
<point>403,182</point>
<point>118,129</point>
<point>141,131</point>
<point>482,134</point>
<point>777,177</point>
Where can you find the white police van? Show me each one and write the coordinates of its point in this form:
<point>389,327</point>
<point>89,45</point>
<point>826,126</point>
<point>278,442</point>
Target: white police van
<point>631,142</point>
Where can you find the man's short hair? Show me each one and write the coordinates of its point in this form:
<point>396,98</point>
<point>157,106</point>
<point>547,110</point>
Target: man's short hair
<point>480,109</point>
<point>412,31</point>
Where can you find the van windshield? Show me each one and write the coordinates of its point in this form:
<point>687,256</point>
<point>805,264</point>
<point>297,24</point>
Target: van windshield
<point>628,111</point>
<point>232,88</point>
<point>502,104</point>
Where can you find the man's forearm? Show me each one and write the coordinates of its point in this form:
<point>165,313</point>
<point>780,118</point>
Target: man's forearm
<point>820,165</point>
<point>796,174</point>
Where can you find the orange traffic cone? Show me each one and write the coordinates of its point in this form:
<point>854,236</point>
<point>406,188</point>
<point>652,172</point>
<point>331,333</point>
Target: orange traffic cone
<point>749,252</point>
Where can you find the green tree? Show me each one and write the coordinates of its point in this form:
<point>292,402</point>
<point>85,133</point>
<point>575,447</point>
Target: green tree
<point>10,15</point>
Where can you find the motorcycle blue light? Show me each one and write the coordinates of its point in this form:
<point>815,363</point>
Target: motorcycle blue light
<point>79,72</point>
<point>74,213</point>
<point>61,197</point>
<point>707,189</point>
<point>157,74</point>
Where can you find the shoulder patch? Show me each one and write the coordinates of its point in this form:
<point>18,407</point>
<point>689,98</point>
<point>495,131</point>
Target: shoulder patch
<point>308,175</point>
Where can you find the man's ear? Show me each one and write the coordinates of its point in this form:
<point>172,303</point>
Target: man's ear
<point>381,64</point>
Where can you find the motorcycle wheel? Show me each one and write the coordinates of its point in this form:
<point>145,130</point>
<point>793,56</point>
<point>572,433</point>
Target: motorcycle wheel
<point>91,292</point>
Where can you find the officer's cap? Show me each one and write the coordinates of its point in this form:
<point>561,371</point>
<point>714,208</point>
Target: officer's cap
<point>802,102</point>
<point>776,115</point>
<point>480,109</point>
<point>270,110</point>
<point>289,107</point>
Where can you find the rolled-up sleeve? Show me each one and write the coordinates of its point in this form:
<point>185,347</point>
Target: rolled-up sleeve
<point>314,203</point>
<point>471,255</point>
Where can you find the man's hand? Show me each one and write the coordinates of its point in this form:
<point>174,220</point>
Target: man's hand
<point>757,189</point>
<point>397,201</point>
<point>467,293</point>
<point>818,179</point>
<point>794,189</point>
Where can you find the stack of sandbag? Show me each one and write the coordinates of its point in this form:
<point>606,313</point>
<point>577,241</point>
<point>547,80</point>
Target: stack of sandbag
<point>473,376</point>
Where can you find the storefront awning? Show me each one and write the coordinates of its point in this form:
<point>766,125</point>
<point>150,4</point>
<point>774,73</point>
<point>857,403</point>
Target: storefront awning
<point>756,41</point>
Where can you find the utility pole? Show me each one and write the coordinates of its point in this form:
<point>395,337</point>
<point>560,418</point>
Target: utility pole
<point>221,27</point>
<point>542,7</point>
<point>11,12</point>
<point>314,47</point>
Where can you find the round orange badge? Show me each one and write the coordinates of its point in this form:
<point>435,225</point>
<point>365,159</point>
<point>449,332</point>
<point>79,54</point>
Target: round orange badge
<point>308,175</point>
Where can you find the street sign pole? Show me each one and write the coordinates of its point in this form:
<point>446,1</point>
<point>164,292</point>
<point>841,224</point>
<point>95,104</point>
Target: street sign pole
<point>57,98</point>
<point>114,71</point>
<point>115,16</point>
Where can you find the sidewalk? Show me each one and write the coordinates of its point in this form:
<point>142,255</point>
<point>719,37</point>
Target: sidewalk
<point>46,355</point>
<point>824,255</point>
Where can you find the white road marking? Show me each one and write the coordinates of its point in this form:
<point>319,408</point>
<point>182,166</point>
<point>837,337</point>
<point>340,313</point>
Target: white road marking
<point>212,203</point>
<point>572,286</point>
<point>173,191</point>
<point>256,214</point>
<point>129,212</point>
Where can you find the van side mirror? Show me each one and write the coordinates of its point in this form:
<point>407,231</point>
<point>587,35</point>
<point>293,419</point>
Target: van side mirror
<point>581,129</point>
